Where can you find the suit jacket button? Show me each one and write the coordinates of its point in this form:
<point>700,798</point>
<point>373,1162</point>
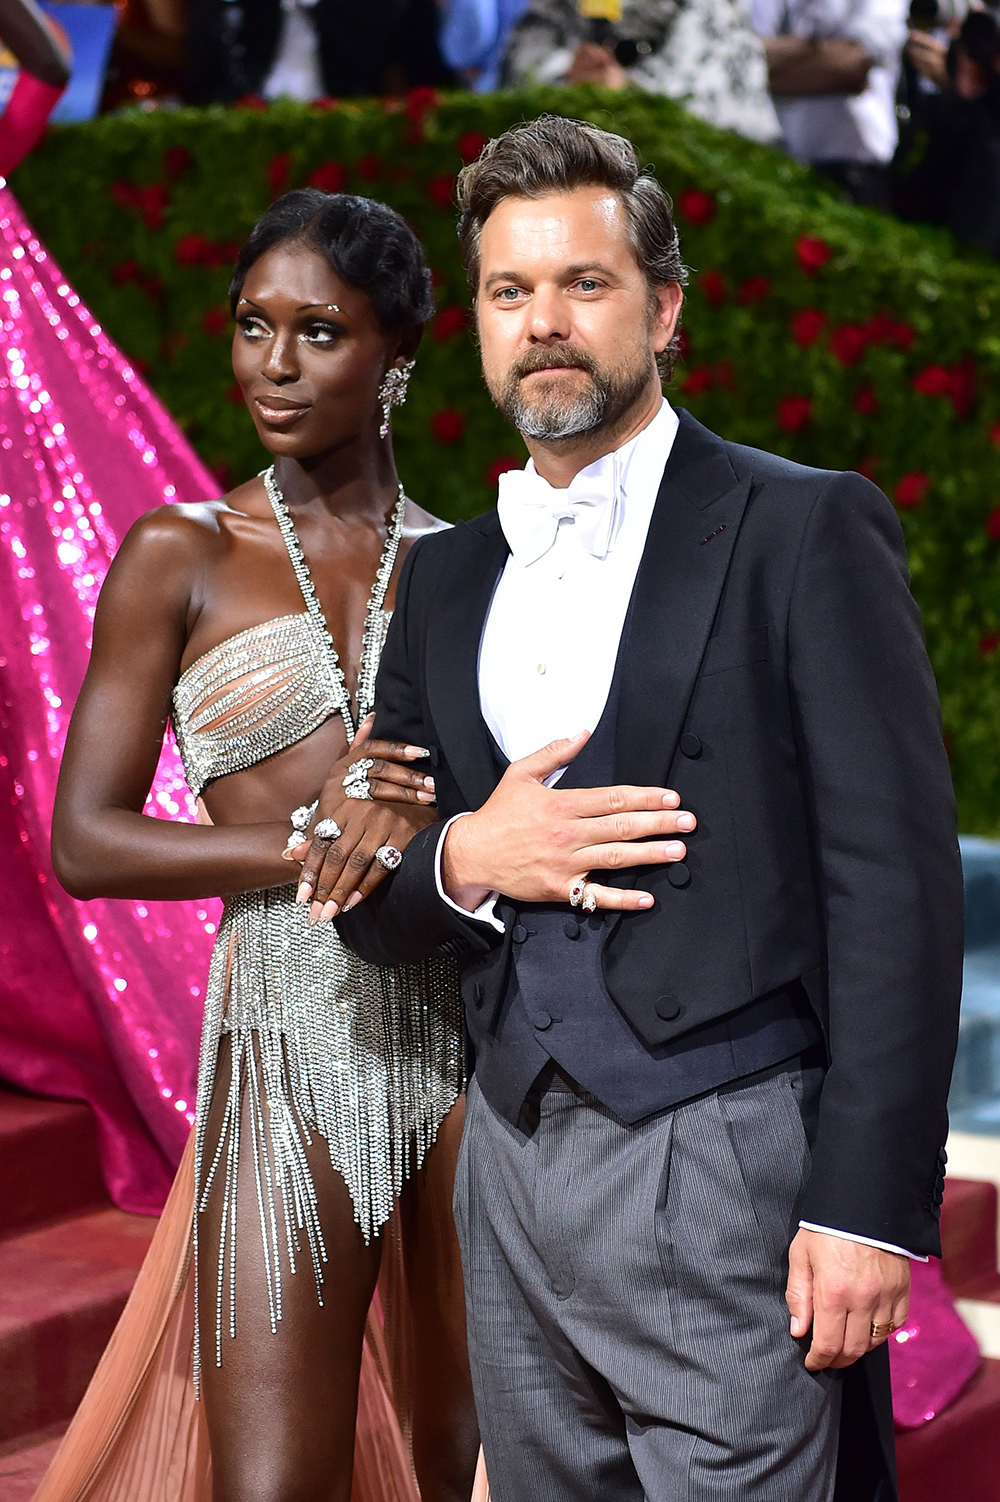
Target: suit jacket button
<point>691,745</point>
<point>668,1008</point>
<point>478,995</point>
<point>571,928</point>
<point>541,1020</point>
<point>678,875</point>
<point>519,933</point>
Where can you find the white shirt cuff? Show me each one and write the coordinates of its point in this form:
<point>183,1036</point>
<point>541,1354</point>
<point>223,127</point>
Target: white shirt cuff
<point>883,1246</point>
<point>485,912</point>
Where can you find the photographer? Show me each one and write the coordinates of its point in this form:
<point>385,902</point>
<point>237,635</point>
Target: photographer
<point>948,168</point>
<point>705,55</point>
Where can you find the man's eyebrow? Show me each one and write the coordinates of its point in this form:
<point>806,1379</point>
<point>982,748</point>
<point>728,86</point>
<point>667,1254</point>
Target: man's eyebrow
<point>571,273</point>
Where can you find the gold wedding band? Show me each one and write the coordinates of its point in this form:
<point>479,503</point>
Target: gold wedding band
<point>882,1329</point>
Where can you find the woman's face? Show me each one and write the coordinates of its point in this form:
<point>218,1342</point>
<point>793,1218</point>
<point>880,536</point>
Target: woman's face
<point>308,353</point>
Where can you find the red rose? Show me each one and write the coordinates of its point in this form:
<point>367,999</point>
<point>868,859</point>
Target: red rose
<point>962,386</point>
<point>869,467</point>
<point>911,489</point>
<point>448,322</point>
<point>813,253</point>
<point>330,176</point>
<point>368,166</point>
<point>903,335</point>
<point>215,321</point>
<point>698,381</point>
<point>989,642</point>
<point>754,289</point>
<point>993,525</point>
<point>191,250</point>
<point>470,145</point>
<point>441,190</point>
<point>995,433</point>
<point>697,207</point>
<point>125,193</point>
<point>234,394</point>
<point>848,343</point>
<point>500,467</point>
<point>448,425</point>
<point>419,103</point>
<point>171,344</point>
<point>807,325</point>
<point>176,161</point>
<point>933,380</point>
<point>713,284</point>
<point>151,202</point>
<point>126,271</point>
<point>251,102</point>
<point>793,413</point>
<point>866,402</point>
<point>725,375</point>
<point>326,103</point>
<point>880,328</point>
<point>277,172</point>
<point>223,474</point>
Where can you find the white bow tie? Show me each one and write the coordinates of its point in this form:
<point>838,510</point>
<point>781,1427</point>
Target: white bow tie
<point>531,509</point>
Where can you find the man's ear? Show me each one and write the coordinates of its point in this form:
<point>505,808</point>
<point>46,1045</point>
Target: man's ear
<point>669,301</point>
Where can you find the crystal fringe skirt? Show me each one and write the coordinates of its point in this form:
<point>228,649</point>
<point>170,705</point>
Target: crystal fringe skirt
<point>370,1059</point>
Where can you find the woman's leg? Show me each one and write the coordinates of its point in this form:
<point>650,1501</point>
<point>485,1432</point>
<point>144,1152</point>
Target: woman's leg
<point>281,1408</point>
<point>445,1433</point>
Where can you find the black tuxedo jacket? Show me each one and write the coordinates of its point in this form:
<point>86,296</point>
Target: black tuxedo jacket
<point>776,677</point>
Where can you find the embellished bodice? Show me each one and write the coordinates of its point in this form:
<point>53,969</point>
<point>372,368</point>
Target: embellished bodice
<point>256,694</point>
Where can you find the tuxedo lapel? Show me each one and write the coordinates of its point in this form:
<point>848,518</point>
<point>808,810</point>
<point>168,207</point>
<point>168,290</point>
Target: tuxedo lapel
<point>454,633</point>
<point>694,525</point>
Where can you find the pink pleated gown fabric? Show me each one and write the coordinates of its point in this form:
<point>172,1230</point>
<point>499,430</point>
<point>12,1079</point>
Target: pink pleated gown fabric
<point>100,1001</point>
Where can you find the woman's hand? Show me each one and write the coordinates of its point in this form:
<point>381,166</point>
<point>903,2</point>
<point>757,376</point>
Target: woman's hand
<point>338,874</point>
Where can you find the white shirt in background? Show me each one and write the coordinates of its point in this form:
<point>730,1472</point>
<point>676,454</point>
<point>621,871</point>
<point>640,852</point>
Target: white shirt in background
<point>841,127</point>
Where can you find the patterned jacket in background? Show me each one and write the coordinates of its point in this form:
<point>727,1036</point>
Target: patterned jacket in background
<point>702,53</point>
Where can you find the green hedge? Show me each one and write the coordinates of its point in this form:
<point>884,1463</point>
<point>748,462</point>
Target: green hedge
<point>827,333</point>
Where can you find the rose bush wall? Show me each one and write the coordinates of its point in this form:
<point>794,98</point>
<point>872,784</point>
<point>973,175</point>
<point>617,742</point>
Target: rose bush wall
<point>830,334</point>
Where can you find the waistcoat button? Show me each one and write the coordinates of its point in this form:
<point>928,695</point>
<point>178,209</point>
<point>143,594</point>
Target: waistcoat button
<point>541,1020</point>
<point>668,1008</point>
<point>519,933</point>
<point>678,875</point>
<point>571,928</point>
<point>691,744</point>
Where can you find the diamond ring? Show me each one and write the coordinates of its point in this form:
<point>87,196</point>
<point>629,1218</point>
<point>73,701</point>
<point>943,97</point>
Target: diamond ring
<point>388,857</point>
<point>327,829</point>
<point>356,784</point>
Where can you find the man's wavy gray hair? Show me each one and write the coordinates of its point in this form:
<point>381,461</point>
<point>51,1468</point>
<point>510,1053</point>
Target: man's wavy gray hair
<point>554,155</point>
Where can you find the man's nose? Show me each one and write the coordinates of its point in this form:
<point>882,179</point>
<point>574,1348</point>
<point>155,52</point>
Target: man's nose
<point>548,319</point>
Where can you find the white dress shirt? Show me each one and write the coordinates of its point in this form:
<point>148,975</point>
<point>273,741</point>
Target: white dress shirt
<point>552,632</point>
<point>841,127</point>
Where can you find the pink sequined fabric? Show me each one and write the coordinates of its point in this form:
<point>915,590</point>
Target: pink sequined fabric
<point>933,1355</point>
<point>99,1001</point>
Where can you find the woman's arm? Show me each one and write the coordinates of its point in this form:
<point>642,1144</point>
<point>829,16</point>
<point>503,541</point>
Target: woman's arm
<point>102,843</point>
<point>24,29</point>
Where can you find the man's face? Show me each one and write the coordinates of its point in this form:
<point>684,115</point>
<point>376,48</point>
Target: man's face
<point>569,330</point>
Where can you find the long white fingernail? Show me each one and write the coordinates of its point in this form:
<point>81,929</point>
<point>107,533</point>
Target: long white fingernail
<point>415,752</point>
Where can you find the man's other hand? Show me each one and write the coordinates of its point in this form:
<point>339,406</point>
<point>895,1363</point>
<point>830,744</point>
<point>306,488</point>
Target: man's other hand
<point>841,1288</point>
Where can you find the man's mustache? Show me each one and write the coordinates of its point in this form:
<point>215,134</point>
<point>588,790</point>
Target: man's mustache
<point>547,359</point>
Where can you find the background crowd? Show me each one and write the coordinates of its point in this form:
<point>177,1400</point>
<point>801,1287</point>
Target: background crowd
<point>896,101</point>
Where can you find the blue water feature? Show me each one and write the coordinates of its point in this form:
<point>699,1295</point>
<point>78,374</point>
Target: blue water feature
<point>975,1090</point>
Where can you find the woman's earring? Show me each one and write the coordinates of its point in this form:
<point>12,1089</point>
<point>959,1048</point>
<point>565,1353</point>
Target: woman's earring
<point>392,392</point>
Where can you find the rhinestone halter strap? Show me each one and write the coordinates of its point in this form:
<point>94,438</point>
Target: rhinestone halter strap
<point>371,640</point>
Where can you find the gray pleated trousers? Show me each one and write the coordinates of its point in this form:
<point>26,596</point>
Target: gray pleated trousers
<point>625,1293</point>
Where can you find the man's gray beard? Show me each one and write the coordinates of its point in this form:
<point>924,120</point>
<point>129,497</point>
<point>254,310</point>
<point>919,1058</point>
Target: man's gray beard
<point>550,418</point>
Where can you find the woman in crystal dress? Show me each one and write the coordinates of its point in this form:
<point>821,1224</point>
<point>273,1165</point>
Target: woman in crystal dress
<point>329,1091</point>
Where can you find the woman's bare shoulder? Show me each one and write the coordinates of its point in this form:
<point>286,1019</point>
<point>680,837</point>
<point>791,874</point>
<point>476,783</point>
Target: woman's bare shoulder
<point>179,533</point>
<point>420,523</point>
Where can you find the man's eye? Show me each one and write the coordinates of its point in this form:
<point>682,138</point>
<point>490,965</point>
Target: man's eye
<point>588,284</point>
<point>508,294</point>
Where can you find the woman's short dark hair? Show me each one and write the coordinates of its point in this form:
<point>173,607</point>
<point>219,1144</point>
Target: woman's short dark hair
<point>554,155</point>
<point>367,243</point>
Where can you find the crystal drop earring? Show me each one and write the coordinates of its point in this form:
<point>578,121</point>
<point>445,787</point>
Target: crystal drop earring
<point>392,392</point>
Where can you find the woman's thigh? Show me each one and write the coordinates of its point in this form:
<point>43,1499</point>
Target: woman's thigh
<point>281,1407</point>
<point>445,1433</point>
